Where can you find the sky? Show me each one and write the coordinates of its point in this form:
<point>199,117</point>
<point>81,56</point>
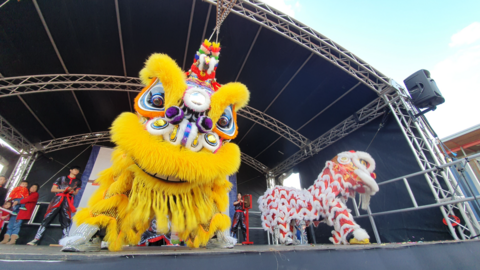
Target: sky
<point>400,37</point>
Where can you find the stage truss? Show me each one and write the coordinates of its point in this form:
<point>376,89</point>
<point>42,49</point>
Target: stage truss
<point>292,29</point>
<point>418,136</point>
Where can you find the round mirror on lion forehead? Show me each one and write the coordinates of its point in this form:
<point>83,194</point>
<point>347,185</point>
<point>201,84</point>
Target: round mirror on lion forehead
<point>343,160</point>
<point>197,98</point>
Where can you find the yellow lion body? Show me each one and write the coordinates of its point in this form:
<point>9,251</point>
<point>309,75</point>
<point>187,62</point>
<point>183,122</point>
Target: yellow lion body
<point>129,198</point>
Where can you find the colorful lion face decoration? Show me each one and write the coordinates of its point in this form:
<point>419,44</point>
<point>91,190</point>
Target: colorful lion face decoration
<point>172,159</point>
<point>324,201</point>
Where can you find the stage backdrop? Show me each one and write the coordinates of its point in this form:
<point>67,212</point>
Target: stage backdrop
<point>100,159</point>
<point>393,158</point>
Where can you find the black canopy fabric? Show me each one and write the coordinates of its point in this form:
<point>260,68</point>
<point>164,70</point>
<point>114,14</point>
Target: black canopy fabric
<point>87,38</point>
<point>287,81</point>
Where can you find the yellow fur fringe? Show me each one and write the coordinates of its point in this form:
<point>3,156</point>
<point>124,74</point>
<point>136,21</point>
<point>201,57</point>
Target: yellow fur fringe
<point>235,94</point>
<point>169,73</point>
<point>157,156</point>
<point>181,210</point>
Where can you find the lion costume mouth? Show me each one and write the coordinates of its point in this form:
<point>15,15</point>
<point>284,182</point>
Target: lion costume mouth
<point>168,179</point>
<point>151,154</point>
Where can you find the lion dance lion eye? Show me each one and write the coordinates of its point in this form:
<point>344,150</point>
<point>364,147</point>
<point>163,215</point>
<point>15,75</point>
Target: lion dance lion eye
<point>223,121</point>
<point>363,162</point>
<point>157,100</point>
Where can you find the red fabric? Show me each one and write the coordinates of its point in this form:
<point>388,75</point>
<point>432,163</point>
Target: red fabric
<point>29,203</point>
<point>18,193</point>
<point>71,179</point>
<point>69,198</point>
<point>4,214</point>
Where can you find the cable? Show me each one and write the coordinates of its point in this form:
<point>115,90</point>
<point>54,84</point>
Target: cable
<point>384,120</point>
<point>4,3</point>
<point>65,166</point>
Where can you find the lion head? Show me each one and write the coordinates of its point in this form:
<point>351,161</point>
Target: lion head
<point>183,127</point>
<point>360,166</point>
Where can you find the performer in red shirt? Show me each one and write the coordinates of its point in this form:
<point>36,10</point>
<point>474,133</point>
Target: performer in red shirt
<point>239,218</point>
<point>65,188</point>
<point>15,222</point>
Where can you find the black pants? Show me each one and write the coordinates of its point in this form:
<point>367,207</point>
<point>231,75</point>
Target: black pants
<point>239,220</point>
<point>64,218</point>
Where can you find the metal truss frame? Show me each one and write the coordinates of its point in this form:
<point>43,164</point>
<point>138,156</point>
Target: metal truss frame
<point>362,117</point>
<point>73,141</point>
<point>257,165</point>
<point>274,125</point>
<point>292,29</point>
<point>428,156</point>
<point>9,134</point>
<point>104,136</point>
<point>21,170</point>
<point>16,86</point>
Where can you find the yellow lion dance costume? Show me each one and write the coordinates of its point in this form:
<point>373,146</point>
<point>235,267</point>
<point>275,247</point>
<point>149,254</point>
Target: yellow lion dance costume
<point>172,159</point>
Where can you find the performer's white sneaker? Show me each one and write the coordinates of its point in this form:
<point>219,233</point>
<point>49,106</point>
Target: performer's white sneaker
<point>34,242</point>
<point>89,246</point>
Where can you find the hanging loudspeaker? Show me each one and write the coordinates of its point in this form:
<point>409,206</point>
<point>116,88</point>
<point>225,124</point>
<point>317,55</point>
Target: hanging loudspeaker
<point>423,90</point>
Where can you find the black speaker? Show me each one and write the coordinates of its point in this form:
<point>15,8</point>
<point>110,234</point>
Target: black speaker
<point>423,90</point>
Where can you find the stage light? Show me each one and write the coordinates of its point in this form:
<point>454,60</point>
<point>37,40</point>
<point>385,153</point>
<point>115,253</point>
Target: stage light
<point>5,144</point>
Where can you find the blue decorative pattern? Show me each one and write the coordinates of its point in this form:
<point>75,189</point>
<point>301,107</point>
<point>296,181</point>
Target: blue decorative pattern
<point>86,173</point>
<point>230,128</point>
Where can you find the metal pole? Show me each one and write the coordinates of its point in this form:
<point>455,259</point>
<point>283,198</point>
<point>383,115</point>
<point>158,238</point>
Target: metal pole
<point>268,237</point>
<point>355,206</point>
<point>410,192</point>
<point>399,122</point>
<point>420,207</point>
<point>374,227</point>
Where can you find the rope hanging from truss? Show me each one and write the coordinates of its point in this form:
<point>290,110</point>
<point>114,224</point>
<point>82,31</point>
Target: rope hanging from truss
<point>223,9</point>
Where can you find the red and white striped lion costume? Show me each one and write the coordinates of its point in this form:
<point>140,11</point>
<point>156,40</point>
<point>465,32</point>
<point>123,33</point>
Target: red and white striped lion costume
<point>325,200</point>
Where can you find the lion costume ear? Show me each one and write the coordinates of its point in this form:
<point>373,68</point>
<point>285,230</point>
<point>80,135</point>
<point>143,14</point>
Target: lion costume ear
<point>231,94</point>
<point>171,76</point>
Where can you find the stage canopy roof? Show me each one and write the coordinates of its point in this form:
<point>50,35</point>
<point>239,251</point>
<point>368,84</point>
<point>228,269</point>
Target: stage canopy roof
<point>70,67</point>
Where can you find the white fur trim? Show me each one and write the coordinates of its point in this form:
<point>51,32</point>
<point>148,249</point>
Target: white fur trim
<point>190,103</point>
<point>366,156</point>
<point>360,234</point>
<point>368,180</point>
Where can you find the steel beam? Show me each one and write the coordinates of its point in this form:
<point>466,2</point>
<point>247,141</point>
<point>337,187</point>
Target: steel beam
<point>17,86</point>
<point>206,23</point>
<point>274,125</point>
<point>257,165</point>
<point>359,119</point>
<point>99,137</point>
<point>119,26</point>
<point>248,53</point>
<point>40,15</point>
<point>188,33</point>
<point>292,29</point>
<point>14,86</point>
<point>311,119</point>
<point>73,141</point>
<point>36,117</point>
<point>442,183</point>
<point>14,138</point>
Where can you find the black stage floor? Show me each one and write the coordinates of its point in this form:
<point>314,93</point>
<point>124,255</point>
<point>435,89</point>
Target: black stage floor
<point>428,255</point>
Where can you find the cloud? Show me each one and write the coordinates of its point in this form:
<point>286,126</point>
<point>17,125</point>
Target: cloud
<point>466,36</point>
<point>288,7</point>
<point>458,78</point>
